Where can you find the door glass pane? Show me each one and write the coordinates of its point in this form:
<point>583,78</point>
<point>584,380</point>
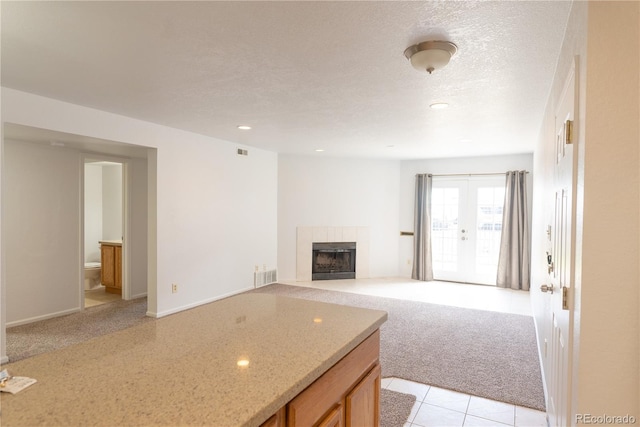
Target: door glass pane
<point>489,229</point>
<point>444,228</point>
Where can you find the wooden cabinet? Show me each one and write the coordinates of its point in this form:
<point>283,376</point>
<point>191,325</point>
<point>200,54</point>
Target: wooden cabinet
<point>111,266</point>
<point>347,395</point>
<point>277,420</point>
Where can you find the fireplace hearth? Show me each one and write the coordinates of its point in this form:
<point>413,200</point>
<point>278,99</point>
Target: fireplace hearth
<point>333,260</point>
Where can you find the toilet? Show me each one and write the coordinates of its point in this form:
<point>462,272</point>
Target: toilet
<point>91,275</point>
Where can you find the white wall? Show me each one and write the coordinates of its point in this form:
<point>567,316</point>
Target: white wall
<point>92,211</point>
<point>606,379</point>
<point>216,212</point>
<point>464,165</point>
<point>112,202</point>
<point>337,192</point>
<point>41,230</point>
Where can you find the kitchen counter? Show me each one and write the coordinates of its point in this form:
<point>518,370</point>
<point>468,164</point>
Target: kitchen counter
<point>183,369</point>
<point>110,242</point>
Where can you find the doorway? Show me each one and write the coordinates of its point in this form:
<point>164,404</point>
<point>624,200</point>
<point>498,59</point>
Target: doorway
<point>104,221</point>
<point>466,227</point>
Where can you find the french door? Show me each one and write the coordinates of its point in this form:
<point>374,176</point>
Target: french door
<point>466,226</point>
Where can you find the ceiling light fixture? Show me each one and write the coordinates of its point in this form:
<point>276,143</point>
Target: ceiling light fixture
<point>430,55</point>
<point>319,150</point>
<point>244,127</point>
<point>439,105</point>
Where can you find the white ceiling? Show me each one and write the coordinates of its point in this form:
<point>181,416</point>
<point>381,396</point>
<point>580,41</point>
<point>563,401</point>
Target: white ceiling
<point>304,74</point>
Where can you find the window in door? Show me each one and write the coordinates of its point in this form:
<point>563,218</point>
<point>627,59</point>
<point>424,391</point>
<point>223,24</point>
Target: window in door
<point>466,227</point>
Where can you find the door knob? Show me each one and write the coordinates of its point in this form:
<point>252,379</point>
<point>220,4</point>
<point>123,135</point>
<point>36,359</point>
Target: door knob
<point>547,288</point>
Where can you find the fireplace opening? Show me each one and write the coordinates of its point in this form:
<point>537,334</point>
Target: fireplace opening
<point>334,260</point>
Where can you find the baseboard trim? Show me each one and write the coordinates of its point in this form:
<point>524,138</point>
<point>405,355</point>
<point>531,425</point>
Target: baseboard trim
<point>196,304</point>
<point>142,295</point>
<point>43,317</point>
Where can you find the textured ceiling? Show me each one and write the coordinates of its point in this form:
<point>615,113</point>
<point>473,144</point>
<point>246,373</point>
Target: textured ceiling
<point>305,75</point>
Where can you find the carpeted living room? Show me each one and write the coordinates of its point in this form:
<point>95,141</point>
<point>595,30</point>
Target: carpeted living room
<point>396,213</point>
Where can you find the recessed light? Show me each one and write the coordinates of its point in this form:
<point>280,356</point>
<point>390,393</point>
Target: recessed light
<point>244,127</point>
<point>390,146</point>
<point>242,363</point>
<point>319,150</point>
<point>439,105</point>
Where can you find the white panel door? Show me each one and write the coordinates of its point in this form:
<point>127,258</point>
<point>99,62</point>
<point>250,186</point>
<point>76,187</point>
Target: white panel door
<point>560,257</point>
<point>466,226</point>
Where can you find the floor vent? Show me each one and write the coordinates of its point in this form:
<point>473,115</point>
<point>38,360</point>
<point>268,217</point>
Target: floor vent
<point>261,278</point>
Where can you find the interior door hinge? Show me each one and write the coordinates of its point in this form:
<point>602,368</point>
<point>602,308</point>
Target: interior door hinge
<point>568,132</point>
<point>565,298</point>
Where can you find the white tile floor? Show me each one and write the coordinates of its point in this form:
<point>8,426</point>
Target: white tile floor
<point>463,295</point>
<point>436,406</point>
<point>440,407</point>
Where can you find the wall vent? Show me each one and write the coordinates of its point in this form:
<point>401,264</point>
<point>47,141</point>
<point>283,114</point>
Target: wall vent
<point>262,278</point>
<point>242,152</point>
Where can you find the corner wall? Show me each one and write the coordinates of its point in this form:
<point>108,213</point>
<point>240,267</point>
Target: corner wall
<point>606,377</point>
<point>215,212</point>
<point>605,369</point>
<point>319,191</point>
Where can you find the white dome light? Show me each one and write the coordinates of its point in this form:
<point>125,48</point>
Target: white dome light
<point>430,55</point>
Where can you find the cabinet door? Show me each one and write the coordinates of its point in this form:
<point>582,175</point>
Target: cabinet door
<point>277,420</point>
<point>117,281</point>
<point>334,419</point>
<point>363,402</point>
<point>107,259</point>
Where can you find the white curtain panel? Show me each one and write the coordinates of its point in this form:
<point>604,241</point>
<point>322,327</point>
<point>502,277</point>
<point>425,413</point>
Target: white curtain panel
<point>514,260</point>
<point>422,259</point>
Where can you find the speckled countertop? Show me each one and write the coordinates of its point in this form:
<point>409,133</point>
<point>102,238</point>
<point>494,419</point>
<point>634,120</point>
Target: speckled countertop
<point>111,242</point>
<point>183,369</point>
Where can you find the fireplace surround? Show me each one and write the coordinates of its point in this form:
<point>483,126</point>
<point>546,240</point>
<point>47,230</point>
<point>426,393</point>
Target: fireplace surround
<point>307,235</point>
<point>333,260</point>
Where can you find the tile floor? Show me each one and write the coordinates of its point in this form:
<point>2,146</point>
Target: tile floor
<point>464,295</point>
<point>440,407</point>
<point>98,296</point>
<point>436,406</point>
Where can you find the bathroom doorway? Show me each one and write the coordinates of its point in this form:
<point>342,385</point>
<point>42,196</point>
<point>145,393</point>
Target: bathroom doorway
<point>104,225</point>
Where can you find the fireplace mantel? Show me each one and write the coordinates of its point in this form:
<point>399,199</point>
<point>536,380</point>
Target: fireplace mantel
<point>306,236</point>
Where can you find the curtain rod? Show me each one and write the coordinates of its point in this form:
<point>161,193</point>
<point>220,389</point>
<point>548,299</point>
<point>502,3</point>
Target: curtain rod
<point>466,174</point>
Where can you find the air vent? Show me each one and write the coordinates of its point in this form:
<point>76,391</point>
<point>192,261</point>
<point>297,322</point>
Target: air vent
<point>242,152</point>
<point>261,278</point>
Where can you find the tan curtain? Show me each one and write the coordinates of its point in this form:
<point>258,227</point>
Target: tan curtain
<point>422,264</point>
<point>514,262</point>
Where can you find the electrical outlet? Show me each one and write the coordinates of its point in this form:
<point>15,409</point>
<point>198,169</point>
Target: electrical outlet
<point>257,268</point>
<point>174,288</point>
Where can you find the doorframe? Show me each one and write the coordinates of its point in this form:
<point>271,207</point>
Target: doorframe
<point>126,218</point>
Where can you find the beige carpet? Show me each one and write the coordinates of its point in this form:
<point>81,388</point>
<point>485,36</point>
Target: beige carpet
<point>482,353</point>
<point>395,408</point>
<point>48,335</point>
